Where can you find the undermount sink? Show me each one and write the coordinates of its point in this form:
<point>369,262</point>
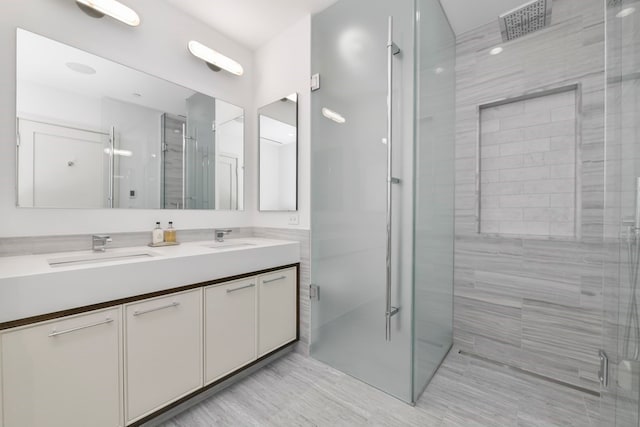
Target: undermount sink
<point>228,245</point>
<point>98,258</point>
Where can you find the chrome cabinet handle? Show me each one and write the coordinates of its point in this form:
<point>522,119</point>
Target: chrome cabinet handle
<point>392,49</point>
<point>240,288</point>
<point>151,310</point>
<point>274,280</point>
<point>55,333</point>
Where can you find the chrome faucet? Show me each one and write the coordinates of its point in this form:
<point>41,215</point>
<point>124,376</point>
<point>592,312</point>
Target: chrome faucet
<point>99,242</point>
<point>220,234</point>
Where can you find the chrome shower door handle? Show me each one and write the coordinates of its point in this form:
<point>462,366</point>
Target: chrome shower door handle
<point>184,165</point>
<point>392,50</point>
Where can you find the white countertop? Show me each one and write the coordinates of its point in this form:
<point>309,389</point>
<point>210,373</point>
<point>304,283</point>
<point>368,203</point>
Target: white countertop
<point>29,286</point>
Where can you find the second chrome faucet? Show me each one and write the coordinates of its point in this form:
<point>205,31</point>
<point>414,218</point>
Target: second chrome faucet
<point>220,233</point>
<point>99,242</point>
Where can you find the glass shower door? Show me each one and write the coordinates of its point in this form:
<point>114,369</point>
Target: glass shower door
<point>621,397</point>
<point>349,188</point>
<point>434,191</point>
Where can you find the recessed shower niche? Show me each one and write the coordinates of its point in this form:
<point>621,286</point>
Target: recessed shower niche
<point>528,164</point>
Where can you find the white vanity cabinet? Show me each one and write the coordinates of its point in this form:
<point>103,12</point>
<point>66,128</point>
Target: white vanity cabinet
<point>122,365</point>
<point>277,309</point>
<point>63,372</point>
<point>230,327</point>
<point>163,351</point>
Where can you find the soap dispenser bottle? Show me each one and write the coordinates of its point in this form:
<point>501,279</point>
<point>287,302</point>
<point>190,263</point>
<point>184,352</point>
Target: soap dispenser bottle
<point>157,235</point>
<point>170,234</point>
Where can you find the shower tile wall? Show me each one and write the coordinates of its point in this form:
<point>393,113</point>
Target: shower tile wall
<point>534,302</point>
<point>527,166</point>
<point>172,166</point>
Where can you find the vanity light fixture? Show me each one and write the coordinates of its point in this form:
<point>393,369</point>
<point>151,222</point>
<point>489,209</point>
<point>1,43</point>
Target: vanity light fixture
<point>113,8</point>
<point>332,115</point>
<point>215,60</point>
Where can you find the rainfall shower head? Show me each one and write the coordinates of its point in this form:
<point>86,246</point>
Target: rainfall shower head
<point>526,19</point>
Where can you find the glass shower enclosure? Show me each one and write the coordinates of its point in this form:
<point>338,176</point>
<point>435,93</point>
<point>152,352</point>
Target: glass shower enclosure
<point>621,391</point>
<point>383,191</point>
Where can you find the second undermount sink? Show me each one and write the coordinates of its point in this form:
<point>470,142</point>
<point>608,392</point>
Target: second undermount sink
<point>228,245</point>
<point>98,257</point>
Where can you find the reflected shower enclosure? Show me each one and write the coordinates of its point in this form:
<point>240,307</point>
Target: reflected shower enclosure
<point>383,191</point>
<point>202,164</point>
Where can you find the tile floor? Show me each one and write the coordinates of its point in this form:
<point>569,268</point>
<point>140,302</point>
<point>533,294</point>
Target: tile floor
<point>300,391</point>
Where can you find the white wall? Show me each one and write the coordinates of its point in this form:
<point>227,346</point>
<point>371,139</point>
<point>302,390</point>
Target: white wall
<point>158,47</point>
<point>283,66</point>
<point>51,105</point>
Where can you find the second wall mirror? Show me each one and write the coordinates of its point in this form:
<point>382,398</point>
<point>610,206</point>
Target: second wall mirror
<point>278,133</point>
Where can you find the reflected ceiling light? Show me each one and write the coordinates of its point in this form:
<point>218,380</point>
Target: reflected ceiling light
<point>625,12</point>
<point>439,70</point>
<point>332,115</point>
<point>80,68</point>
<point>118,152</point>
<point>496,50</point>
<point>215,60</point>
<point>113,8</point>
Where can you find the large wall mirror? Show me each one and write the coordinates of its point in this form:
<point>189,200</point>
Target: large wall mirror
<point>96,134</point>
<point>278,123</point>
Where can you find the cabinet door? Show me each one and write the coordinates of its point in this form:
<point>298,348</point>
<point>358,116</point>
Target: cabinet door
<point>230,327</point>
<point>65,372</point>
<point>163,351</point>
<point>277,316</point>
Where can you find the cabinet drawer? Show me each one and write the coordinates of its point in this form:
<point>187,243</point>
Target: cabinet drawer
<point>163,351</point>
<point>230,327</point>
<point>65,372</point>
<point>277,309</point>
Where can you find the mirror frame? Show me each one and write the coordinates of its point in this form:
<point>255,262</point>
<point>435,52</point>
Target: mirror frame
<point>260,209</point>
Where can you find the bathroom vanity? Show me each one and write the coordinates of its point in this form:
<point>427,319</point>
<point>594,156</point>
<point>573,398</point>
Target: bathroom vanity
<point>114,339</point>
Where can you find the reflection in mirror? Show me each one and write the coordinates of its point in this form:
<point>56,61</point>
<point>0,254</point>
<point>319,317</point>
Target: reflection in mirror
<point>96,134</point>
<point>279,155</point>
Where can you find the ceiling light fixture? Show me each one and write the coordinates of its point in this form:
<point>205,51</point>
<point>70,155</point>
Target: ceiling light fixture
<point>332,115</point>
<point>113,8</point>
<point>625,12</point>
<point>80,68</point>
<point>215,60</point>
<point>496,50</point>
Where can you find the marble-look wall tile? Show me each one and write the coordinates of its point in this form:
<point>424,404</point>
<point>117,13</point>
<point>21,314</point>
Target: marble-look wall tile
<point>534,303</point>
<point>13,246</point>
